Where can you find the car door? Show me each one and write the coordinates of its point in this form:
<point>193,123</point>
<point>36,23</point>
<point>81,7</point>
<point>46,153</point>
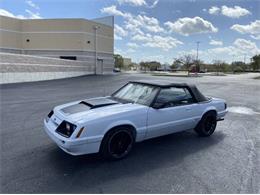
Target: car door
<point>172,111</point>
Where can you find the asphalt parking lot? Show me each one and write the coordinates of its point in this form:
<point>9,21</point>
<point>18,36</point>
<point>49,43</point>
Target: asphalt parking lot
<point>226,162</point>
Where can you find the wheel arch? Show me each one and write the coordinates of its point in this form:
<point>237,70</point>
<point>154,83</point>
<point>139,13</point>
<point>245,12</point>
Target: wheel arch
<point>115,126</point>
<point>209,109</point>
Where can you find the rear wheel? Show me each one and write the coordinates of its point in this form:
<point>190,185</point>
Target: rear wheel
<point>118,143</point>
<point>207,124</point>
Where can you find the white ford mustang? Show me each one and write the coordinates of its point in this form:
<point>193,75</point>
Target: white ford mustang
<point>138,111</point>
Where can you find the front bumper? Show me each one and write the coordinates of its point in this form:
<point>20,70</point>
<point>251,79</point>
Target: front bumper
<point>72,146</point>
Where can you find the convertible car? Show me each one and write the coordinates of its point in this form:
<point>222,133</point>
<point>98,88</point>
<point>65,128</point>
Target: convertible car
<point>138,111</point>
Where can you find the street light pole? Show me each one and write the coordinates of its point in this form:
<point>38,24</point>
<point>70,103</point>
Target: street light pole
<point>197,58</point>
<point>96,28</point>
<point>198,43</point>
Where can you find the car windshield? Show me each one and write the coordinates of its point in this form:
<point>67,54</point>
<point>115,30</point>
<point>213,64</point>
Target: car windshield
<point>136,93</point>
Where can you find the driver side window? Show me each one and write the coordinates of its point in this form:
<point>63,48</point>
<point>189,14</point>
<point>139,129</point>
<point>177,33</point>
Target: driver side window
<point>173,96</point>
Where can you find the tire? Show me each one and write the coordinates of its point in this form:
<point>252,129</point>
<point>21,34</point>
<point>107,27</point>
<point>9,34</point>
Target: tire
<point>117,143</point>
<point>207,124</point>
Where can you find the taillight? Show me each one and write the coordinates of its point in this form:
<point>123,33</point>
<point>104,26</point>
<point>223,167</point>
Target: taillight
<point>50,114</point>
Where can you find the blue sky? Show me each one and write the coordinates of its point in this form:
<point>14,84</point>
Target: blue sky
<point>162,29</point>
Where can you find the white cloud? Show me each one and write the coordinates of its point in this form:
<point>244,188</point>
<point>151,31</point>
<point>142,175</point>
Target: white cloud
<point>4,12</point>
<point>234,12</point>
<point>154,4</point>
<point>187,26</point>
<point>256,37</point>
<point>132,45</point>
<point>130,50</point>
<point>215,42</point>
<point>156,41</point>
<point>135,24</point>
<point>253,28</point>
<point>31,4</point>
<point>240,47</point>
<point>214,10</point>
<point>116,37</point>
<point>246,45</point>
<point>119,32</point>
<point>112,10</point>
<point>133,2</point>
<point>31,15</point>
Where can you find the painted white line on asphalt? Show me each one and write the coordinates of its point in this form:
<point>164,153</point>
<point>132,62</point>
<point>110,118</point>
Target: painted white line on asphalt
<point>242,110</point>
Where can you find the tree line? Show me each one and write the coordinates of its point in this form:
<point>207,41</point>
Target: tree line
<point>190,64</point>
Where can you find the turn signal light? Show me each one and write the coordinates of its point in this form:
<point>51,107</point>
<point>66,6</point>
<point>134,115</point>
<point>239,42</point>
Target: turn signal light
<point>79,133</point>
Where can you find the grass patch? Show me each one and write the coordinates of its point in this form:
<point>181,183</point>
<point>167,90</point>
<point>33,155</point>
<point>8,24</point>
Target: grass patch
<point>257,77</point>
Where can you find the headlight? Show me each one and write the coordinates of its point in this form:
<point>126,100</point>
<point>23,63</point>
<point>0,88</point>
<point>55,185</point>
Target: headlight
<point>66,129</point>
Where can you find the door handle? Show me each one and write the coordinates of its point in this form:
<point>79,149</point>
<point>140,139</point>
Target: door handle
<point>188,108</point>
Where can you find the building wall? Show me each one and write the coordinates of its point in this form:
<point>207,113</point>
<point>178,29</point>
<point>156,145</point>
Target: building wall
<point>127,62</point>
<point>58,37</point>
<point>23,68</point>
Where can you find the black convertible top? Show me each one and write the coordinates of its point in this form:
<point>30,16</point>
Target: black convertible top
<point>162,84</point>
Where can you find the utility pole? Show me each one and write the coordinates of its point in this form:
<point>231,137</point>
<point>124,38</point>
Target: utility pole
<point>197,57</point>
<point>96,28</point>
<point>245,59</point>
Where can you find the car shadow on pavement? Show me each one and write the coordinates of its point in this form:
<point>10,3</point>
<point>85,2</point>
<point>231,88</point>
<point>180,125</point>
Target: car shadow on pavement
<point>88,171</point>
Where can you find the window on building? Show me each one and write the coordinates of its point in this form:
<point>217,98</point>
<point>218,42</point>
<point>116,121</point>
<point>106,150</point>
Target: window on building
<point>68,57</point>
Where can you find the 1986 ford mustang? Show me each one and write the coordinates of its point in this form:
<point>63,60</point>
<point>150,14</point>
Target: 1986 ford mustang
<point>138,111</point>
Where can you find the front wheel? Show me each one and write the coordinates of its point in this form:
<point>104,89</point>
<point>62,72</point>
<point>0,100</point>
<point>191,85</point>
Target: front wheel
<point>118,143</point>
<point>207,124</point>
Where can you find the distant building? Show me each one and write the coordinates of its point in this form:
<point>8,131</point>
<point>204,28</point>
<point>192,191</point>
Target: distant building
<point>74,39</point>
<point>127,62</point>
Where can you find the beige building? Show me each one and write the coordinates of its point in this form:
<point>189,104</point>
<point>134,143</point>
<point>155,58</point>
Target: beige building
<point>91,41</point>
<point>127,62</point>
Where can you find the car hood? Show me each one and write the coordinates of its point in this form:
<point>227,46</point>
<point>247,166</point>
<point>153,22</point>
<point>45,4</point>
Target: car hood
<point>90,109</point>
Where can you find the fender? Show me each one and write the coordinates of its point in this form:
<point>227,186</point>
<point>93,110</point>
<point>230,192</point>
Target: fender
<point>209,108</point>
<point>140,132</point>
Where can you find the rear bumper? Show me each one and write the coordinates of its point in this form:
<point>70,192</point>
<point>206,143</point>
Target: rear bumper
<point>73,146</point>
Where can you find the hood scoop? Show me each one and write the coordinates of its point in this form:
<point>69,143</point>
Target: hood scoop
<point>89,104</point>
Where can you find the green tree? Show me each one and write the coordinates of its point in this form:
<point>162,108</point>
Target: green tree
<point>220,66</point>
<point>255,64</point>
<point>176,64</point>
<point>144,66</point>
<point>238,66</point>
<point>152,66</point>
<point>186,62</point>
<point>119,62</point>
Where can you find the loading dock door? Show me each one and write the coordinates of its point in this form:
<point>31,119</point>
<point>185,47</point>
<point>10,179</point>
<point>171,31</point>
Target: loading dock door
<point>99,66</point>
